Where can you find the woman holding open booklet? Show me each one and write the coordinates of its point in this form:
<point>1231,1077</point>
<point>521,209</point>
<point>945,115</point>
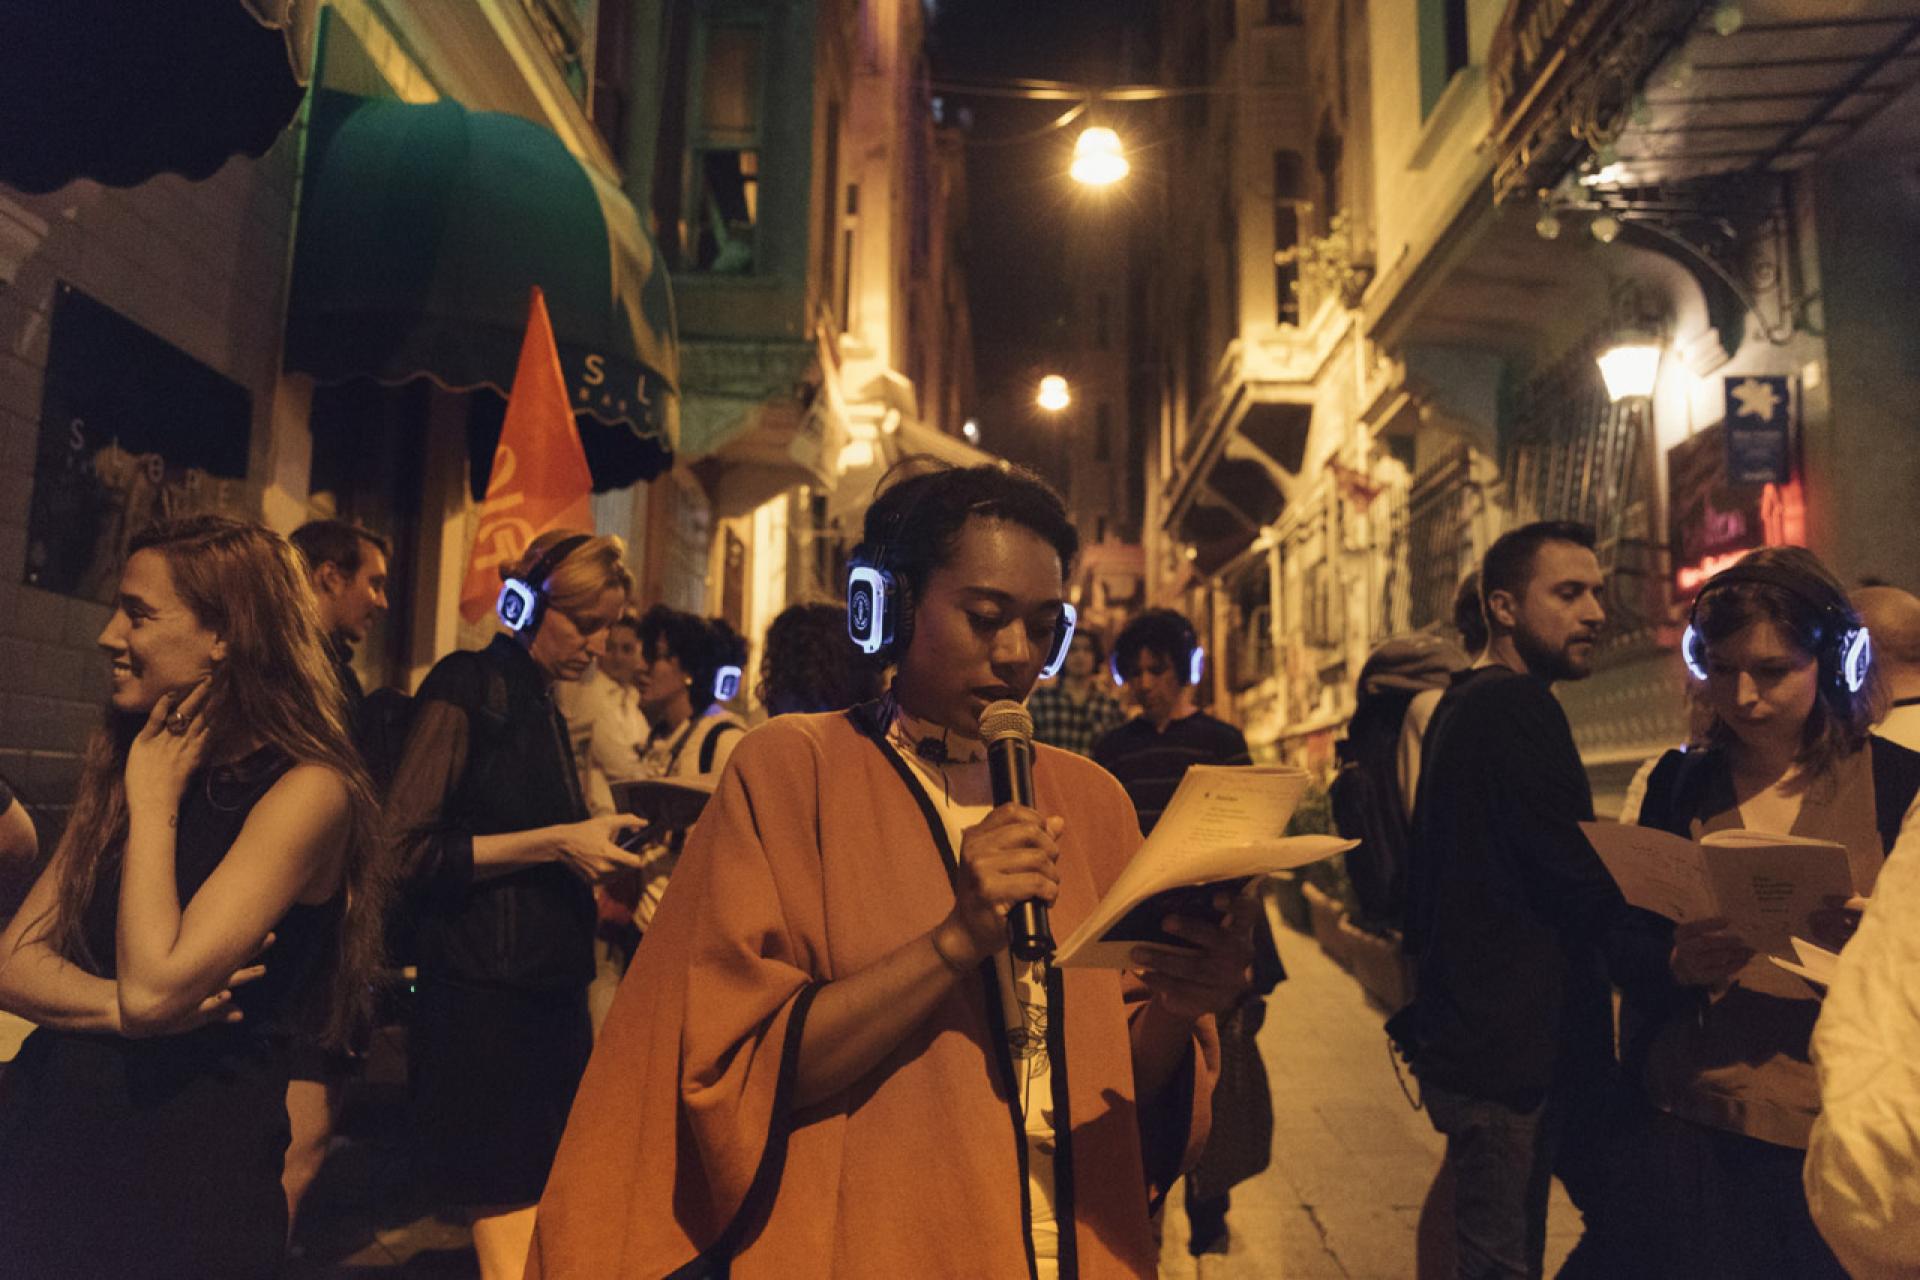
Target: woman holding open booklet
<point>1784,696</point>
<point>824,1061</point>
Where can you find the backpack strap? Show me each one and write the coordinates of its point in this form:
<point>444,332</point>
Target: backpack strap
<point>1896,780</point>
<point>709,747</point>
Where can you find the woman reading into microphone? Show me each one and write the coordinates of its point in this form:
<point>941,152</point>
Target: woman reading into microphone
<point>825,1062</point>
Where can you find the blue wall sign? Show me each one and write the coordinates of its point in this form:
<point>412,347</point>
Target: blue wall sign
<point>1759,422</point>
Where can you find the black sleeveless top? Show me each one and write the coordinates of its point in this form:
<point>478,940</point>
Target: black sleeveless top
<point>162,1157</point>
<point>214,806</point>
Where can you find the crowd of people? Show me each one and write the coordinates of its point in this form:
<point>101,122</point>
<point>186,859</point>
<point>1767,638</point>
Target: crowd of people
<point>687,995</point>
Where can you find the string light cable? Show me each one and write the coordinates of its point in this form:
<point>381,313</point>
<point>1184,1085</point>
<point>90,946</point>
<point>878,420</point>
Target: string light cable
<point>1087,99</point>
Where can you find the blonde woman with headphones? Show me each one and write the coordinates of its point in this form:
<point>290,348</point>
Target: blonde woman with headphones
<point>497,856</point>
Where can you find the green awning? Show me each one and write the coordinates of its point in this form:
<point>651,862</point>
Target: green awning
<point>421,230</point>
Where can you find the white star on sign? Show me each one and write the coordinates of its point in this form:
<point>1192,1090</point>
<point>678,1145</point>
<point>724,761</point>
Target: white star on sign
<point>1757,399</point>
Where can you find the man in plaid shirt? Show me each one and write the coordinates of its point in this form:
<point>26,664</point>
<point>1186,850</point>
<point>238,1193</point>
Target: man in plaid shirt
<point>1076,710</point>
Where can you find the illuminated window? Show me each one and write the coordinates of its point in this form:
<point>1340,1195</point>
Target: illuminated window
<point>726,161</point>
<point>706,185</point>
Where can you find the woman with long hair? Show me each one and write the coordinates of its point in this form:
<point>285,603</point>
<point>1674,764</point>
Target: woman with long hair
<point>1784,699</point>
<point>208,898</point>
<point>497,851</point>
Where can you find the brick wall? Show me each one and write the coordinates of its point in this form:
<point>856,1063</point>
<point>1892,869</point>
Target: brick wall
<point>203,266</point>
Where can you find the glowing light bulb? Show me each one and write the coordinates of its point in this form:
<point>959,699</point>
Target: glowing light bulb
<point>1629,369</point>
<point>1098,158</point>
<point>1054,395</point>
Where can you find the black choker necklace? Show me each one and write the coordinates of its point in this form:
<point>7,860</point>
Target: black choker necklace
<point>934,751</point>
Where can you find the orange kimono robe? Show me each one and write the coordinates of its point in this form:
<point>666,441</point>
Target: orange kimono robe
<point>817,857</point>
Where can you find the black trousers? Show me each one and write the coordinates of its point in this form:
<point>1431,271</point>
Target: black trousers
<point>1711,1205</point>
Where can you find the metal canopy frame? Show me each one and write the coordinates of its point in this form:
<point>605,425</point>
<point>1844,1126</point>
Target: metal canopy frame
<point>1772,96</point>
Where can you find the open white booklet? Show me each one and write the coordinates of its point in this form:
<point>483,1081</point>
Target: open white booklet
<point>1768,887</point>
<point>1220,830</point>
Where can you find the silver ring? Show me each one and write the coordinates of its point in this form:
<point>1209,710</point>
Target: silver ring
<point>176,724</point>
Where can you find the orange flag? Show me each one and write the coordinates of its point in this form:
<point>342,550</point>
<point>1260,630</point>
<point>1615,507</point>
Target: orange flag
<point>539,479</point>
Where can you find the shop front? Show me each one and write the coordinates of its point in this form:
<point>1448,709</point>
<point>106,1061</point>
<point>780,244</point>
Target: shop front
<point>422,230</point>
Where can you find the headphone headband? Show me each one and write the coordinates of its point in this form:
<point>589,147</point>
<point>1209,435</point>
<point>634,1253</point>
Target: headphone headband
<point>1832,606</point>
<point>536,577</point>
<point>1845,648</point>
<point>880,611</point>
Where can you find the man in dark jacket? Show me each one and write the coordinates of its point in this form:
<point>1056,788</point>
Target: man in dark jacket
<point>348,568</point>
<point>1159,659</point>
<point>1511,917</point>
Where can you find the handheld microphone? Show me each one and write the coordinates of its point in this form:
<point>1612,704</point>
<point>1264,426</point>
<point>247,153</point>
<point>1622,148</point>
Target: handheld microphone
<point>1007,730</point>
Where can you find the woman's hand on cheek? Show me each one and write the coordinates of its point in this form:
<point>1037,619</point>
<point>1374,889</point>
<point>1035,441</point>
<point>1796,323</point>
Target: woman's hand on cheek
<point>166,751</point>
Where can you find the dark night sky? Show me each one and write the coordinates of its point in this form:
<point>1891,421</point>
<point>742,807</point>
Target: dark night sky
<point>1019,193</point>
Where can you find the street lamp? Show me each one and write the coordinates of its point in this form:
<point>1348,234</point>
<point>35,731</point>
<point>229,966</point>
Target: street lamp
<point>1054,395</point>
<point>1629,369</point>
<point>1098,158</point>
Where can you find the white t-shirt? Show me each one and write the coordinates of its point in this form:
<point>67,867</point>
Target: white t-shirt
<point>962,794</point>
<point>620,733</point>
<point>678,754</point>
<point>579,702</point>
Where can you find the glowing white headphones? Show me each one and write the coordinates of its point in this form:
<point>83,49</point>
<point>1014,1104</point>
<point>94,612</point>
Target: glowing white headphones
<point>1196,660</point>
<point>523,599</point>
<point>1845,650</point>
<point>879,621</point>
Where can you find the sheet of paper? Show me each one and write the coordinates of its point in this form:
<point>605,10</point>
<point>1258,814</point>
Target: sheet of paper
<point>1814,964</point>
<point>1219,806</point>
<point>1220,826</point>
<point>1656,870</point>
<point>1090,947</point>
<point>1770,887</point>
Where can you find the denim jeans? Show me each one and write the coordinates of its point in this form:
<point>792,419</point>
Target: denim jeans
<point>1503,1162</point>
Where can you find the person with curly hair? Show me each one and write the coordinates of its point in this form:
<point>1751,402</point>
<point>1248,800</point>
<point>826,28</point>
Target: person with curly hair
<point>809,663</point>
<point>684,690</point>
